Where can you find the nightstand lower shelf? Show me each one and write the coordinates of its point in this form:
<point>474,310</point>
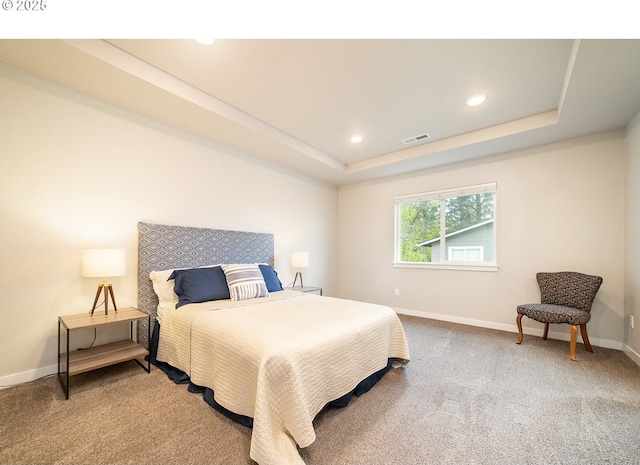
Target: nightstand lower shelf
<point>82,361</point>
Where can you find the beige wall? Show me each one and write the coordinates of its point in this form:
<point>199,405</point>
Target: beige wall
<point>78,173</point>
<point>632,240</point>
<point>560,207</point>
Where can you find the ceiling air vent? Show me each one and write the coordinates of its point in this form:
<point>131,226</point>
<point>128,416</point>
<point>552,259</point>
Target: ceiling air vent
<point>420,138</point>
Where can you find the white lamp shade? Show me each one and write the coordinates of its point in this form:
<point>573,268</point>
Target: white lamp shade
<point>102,263</point>
<point>300,259</point>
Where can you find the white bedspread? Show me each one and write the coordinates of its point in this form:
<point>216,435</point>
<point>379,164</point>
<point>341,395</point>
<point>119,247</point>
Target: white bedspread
<point>280,359</point>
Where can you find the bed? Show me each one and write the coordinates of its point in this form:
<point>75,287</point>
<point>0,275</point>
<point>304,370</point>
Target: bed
<point>269,357</point>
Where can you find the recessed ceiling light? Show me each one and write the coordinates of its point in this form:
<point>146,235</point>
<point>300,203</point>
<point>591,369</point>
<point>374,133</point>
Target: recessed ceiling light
<point>356,139</point>
<point>206,40</point>
<point>476,99</point>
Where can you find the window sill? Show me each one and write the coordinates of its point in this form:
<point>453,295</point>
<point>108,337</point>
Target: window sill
<point>451,266</point>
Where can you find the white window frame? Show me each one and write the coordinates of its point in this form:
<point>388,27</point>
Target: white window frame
<point>490,187</point>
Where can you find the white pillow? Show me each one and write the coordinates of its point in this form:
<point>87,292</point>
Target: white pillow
<point>162,287</point>
<point>245,281</point>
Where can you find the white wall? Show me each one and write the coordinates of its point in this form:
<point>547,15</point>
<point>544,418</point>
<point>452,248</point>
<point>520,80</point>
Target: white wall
<point>75,173</point>
<point>632,239</point>
<point>560,207</point>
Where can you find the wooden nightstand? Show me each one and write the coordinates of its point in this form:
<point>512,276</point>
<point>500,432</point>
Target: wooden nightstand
<point>81,361</point>
<point>308,289</point>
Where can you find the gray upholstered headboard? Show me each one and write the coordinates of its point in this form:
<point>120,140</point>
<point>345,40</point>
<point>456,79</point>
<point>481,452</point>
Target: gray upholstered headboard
<point>164,247</point>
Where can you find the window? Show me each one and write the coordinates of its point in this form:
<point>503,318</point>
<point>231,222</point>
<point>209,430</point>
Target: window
<point>453,228</point>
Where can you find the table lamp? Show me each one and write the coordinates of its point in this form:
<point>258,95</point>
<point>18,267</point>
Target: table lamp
<point>103,263</point>
<point>299,260</point>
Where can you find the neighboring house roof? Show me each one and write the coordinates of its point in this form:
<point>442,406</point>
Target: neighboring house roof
<point>437,239</point>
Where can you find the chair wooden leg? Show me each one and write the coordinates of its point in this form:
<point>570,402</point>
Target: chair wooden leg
<point>585,338</point>
<point>519,324</point>
<point>546,331</point>
<point>572,343</point>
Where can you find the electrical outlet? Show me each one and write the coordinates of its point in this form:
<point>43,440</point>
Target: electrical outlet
<point>397,292</point>
<point>631,322</point>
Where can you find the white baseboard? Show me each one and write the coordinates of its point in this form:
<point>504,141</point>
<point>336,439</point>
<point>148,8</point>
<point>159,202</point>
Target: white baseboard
<point>27,376</point>
<point>632,354</point>
<point>606,343</point>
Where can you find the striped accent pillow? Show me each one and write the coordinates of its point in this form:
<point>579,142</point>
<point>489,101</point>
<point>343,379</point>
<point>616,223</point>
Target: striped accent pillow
<point>245,281</point>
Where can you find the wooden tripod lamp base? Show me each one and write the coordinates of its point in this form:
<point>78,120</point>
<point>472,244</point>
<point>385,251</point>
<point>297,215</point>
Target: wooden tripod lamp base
<point>108,291</point>
<point>298,273</point>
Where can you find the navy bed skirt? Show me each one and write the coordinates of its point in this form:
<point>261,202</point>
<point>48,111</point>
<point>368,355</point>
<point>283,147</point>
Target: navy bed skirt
<point>180,377</point>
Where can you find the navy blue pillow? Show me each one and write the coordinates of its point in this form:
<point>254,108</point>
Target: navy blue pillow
<point>270,278</point>
<point>200,285</point>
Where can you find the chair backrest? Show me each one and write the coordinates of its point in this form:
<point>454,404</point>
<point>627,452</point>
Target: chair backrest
<point>568,288</point>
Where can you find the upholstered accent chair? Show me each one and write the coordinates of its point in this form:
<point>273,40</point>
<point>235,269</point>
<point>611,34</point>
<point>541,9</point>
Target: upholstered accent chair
<point>566,297</point>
